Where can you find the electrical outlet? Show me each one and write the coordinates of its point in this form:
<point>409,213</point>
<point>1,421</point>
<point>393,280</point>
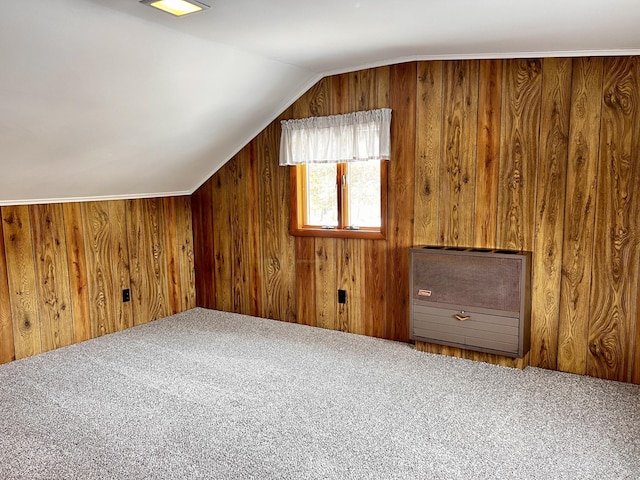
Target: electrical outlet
<point>342,296</point>
<point>126,295</point>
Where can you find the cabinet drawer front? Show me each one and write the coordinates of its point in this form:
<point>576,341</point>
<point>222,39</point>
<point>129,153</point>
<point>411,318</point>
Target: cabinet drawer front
<point>481,330</point>
<point>496,323</point>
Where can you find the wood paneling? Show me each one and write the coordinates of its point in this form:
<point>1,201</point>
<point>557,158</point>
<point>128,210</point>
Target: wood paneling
<point>22,281</point>
<point>156,258</point>
<point>173,258</point>
<point>326,282</point>
<point>305,281</point>
<point>489,104</point>
<point>63,268</point>
<point>251,170</point>
<point>186,262</point>
<point>239,255</point>
<point>269,225</point>
<point>97,240</point>
<point>580,191</point>
<point>137,262</point>
<point>549,211</point>
<point>121,273</point>
<point>458,164</point>
<point>78,280</point>
<point>349,261</point>
<point>519,145</point>
<point>222,240</point>
<point>429,100</point>
<point>614,277</point>
<point>52,276</point>
<point>7,350</point>
<point>375,288</point>
<point>202,206</point>
<point>402,86</point>
<point>512,154</point>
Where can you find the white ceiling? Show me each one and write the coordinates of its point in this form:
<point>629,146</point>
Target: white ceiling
<point>113,99</point>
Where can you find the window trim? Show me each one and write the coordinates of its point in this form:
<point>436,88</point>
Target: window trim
<point>299,200</point>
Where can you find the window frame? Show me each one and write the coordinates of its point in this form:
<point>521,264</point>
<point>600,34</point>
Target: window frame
<point>299,200</point>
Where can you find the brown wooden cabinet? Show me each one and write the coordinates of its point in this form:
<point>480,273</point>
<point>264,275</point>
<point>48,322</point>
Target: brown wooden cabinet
<point>475,299</point>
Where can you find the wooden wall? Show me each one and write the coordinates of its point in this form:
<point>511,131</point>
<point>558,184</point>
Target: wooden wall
<point>536,154</point>
<point>63,268</point>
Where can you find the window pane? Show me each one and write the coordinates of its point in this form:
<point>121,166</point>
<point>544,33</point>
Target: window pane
<point>364,194</point>
<point>322,199</point>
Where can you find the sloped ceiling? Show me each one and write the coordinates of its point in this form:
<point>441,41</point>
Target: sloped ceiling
<point>113,99</point>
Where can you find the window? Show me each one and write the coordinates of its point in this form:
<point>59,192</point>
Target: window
<point>339,200</point>
<point>338,174</point>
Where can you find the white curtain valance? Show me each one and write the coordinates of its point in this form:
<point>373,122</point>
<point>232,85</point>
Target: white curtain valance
<point>351,137</point>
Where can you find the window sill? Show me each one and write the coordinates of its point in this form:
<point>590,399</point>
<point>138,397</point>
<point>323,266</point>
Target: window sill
<point>338,233</point>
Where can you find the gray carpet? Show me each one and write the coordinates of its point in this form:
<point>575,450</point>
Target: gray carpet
<point>205,394</point>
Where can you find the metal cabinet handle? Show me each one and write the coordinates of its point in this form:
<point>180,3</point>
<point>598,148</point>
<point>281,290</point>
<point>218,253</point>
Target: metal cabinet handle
<point>460,316</point>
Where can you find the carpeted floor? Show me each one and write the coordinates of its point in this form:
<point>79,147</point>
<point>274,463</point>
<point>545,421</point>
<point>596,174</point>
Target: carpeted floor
<point>206,394</point>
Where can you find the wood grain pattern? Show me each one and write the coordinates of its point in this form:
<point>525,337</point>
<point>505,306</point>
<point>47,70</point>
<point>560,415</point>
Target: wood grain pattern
<point>402,85</point>
<point>7,350</point>
<point>22,284</point>
<point>383,75</point>
<point>120,253</point>
<point>270,226</point>
<point>186,259</point>
<point>459,135</point>
<point>374,289</point>
<point>239,218</point>
<point>573,318</point>
<point>317,101</point>
<point>202,245</point>
<point>251,172</point>
<point>343,282</point>
<point>339,95</point>
<point>306,281</point>
<point>97,241</point>
<point>326,281</point>
<point>350,263</point>
<point>137,263</point>
<point>222,240</point>
<point>549,219</point>
<point>429,106</point>
<point>52,276</point>
<point>204,248</point>
<point>78,281</point>
<point>489,102</point>
<point>173,259</point>
<point>156,258</point>
<point>522,97</point>
<point>363,92</point>
<point>615,267</point>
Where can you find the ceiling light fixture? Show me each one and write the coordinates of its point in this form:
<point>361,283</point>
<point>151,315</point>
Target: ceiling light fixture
<point>178,8</point>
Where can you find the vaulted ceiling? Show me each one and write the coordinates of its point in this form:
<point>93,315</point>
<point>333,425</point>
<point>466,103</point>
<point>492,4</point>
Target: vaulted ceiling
<point>113,99</point>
